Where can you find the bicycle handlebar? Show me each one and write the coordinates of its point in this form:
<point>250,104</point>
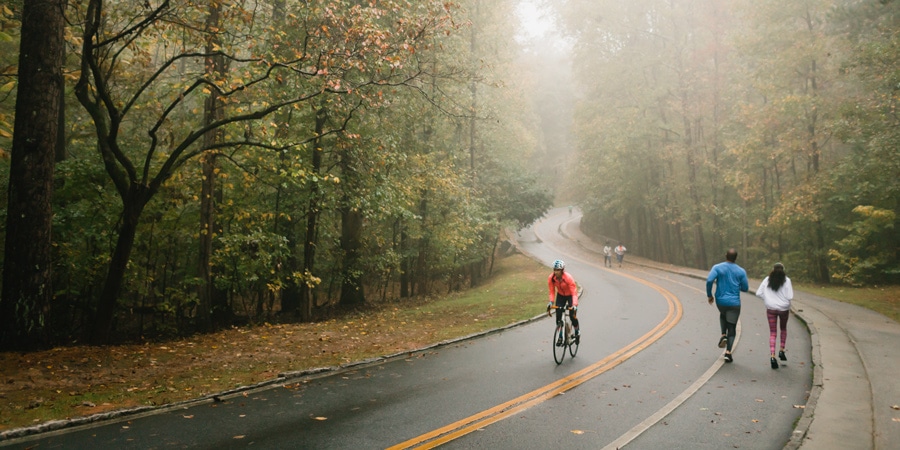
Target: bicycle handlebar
<point>550,313</point>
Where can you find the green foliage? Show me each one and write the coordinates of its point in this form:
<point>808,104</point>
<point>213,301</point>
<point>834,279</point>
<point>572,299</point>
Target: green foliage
<point>697,126</point>
<point>760,128</point>
<point>428,133</point>
<point>9,46</point>
<point>515,195</point>
<point>252,267</point>
<point>83,222</point>
<point>869,251</point>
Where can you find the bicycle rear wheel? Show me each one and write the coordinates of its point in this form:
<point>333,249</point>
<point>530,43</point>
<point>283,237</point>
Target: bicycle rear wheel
<point>559,344</point>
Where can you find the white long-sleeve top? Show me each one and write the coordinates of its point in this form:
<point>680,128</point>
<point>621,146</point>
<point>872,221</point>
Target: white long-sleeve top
<point>777,300</point>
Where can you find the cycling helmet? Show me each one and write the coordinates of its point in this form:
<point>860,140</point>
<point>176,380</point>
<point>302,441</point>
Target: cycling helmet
<point>559,264</point>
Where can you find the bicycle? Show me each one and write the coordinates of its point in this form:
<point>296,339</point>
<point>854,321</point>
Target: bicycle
<point>564,336</point>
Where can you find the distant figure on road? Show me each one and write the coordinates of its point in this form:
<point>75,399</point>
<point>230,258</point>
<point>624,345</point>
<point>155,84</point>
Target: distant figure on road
<point>607,255</point>
<point>620,253</point>
<point>570,210</point>
<point>563,292</point>
<point>730,280</point>
<point>777,292</point>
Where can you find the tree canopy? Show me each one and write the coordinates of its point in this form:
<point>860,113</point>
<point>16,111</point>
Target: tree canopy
<point>222,163</point>
<point>761,125</point>
<point>269,160</point>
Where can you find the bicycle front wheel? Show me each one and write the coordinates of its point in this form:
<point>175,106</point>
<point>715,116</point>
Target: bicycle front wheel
<point>559,344</point>
<point>573,345</point>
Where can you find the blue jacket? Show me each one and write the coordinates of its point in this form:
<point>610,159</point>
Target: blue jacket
<point>730,281</point>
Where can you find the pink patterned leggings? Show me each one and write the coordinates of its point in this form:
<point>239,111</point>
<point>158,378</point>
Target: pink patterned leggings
<point>775,317</point>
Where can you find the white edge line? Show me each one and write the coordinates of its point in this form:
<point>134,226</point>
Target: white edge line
<point>638,429</point>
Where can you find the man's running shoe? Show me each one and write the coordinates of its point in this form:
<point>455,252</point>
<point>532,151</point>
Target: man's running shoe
<point>728,358</point>
<point>577,338</point>
<point>559,342</point>
<point>723,341</point>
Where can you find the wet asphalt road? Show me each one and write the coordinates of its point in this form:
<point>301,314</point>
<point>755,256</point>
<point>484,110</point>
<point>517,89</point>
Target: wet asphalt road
<point>508,378</point>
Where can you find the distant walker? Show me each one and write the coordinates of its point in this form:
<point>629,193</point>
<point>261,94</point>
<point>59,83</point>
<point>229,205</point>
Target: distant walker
<point>620,253</point>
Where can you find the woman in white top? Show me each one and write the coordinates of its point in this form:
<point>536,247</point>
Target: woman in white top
<point>777,293</point>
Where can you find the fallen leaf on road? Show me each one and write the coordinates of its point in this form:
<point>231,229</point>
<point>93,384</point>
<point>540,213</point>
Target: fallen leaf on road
<point>188,417</point>
<point>321,418</point>
<point>895,406</point>
<point>800,406</point>
<point>240,436</point>
<point>577,432</point>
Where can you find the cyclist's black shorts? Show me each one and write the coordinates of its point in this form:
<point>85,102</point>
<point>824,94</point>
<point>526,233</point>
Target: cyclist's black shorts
<point>562,301</point>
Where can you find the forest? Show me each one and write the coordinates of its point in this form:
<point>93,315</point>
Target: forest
<point>221,163</point>
<point>181,167</point>
<point>766,126</point>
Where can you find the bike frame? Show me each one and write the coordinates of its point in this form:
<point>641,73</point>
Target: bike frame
<point>564,332</point>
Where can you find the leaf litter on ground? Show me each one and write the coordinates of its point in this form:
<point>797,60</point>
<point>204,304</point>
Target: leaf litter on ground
<point>80,380</point>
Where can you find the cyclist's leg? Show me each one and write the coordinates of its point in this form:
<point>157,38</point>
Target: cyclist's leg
<point>561,302</point>
<point>559,311</point>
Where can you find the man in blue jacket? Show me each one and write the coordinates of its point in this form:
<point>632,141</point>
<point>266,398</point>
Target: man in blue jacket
<point>730,280</point>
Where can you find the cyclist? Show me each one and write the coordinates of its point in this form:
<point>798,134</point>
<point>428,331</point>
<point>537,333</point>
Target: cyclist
<point>565,293</point>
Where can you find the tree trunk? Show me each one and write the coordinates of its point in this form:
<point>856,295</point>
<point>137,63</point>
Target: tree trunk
<point>700,260</point>
<point>421,269</point>
<point>213,309</point>
<point>213,303</point>
<point>27,289</point>
<point>291,293</point>
<point>404,262</point>
<point>820,254</point>
<point>133,206</point>
<point>307,296</point>
<point>352,292</point>
<point>61,151</point>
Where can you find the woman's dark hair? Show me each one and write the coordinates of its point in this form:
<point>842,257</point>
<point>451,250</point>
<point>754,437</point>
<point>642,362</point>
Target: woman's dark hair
<point>777,277</point>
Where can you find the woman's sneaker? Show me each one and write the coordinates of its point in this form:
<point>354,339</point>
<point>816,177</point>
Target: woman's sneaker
<point>774,363</point>
<point>781,356</point>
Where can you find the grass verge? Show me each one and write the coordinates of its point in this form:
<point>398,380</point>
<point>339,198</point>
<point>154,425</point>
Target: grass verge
<point>68,382</point>
<point>75,381</point>
<point>882,299</point>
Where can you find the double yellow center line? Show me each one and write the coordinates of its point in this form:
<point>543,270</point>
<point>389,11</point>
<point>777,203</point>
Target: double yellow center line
<point>497,413</point>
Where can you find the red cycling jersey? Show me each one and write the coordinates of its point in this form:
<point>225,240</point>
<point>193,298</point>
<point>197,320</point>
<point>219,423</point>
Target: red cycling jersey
<point>564,285</point>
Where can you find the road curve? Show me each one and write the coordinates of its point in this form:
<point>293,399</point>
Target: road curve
<point>648,375</point>
<point>748,417</point>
